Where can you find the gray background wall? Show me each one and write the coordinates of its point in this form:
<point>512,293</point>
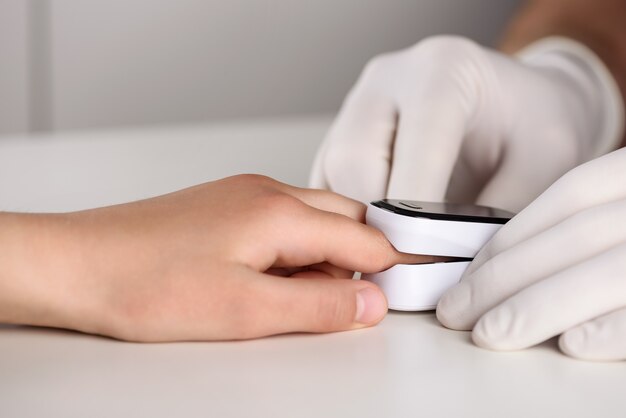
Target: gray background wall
<point>72,64</point>
<point>13,66</point>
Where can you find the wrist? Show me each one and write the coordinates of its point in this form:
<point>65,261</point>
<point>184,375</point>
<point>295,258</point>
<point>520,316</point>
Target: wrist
<point>598,25</point>
<point>600,110</point>
<point>39,266</point>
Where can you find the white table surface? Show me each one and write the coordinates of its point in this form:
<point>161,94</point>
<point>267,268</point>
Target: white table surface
<point>407,366</point>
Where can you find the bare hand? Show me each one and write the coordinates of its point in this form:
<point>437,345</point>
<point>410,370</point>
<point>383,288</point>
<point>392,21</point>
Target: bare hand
<point>238,258</point>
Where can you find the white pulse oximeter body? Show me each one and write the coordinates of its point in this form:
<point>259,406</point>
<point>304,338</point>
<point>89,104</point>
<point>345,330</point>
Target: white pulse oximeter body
<point>438,229</point>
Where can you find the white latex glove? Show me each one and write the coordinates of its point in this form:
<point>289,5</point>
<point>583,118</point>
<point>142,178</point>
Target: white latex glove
<point>449,117</point>
<point>557,268</point>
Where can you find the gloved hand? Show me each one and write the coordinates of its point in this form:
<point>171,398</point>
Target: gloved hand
<point>558,267</point>
<point>448,115</point>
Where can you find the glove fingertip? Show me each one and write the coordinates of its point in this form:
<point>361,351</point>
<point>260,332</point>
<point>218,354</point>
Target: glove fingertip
<point>572,343</point>
<point>483,338</point>
<point>453,309</point>
<point>496,331</point>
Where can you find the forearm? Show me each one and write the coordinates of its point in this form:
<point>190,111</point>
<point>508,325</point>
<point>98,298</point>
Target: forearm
<point>597,24</point>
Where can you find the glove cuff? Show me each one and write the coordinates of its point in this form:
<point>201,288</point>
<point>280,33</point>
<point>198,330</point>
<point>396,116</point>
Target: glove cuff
<point>581,58</point>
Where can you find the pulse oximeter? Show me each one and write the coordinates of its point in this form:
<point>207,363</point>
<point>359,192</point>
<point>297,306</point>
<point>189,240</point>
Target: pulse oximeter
<point>429,228</point>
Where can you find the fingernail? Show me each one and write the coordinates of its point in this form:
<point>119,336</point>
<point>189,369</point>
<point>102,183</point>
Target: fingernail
<point>371,306</point>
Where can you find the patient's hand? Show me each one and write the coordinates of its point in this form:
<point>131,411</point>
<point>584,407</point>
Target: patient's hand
<point>238,258</point>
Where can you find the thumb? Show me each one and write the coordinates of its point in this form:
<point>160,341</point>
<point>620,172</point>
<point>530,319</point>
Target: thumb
<point>317,303</point>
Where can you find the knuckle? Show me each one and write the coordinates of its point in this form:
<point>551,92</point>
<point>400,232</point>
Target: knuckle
<point>581,229</point>
<point>575,177</point>
<point>452,53</point>
<point>376,65</point>
<point>277,203</point>
<point>443,46</point>
<point>252,179</point>
<point>375,74</point>
<point>586,223</point>
<point>569,186</point>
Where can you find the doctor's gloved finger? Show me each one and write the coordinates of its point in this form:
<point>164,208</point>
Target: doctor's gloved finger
<point>556,304</point>
<point>600,339</point>
<point>435,114</point>
<point>431,130</point>
<point>594,183</point>
<point>513,186</point>
<point>313,304</point>
<point>425,151</point>
<point>356,153</point>
<point>566,244</point>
